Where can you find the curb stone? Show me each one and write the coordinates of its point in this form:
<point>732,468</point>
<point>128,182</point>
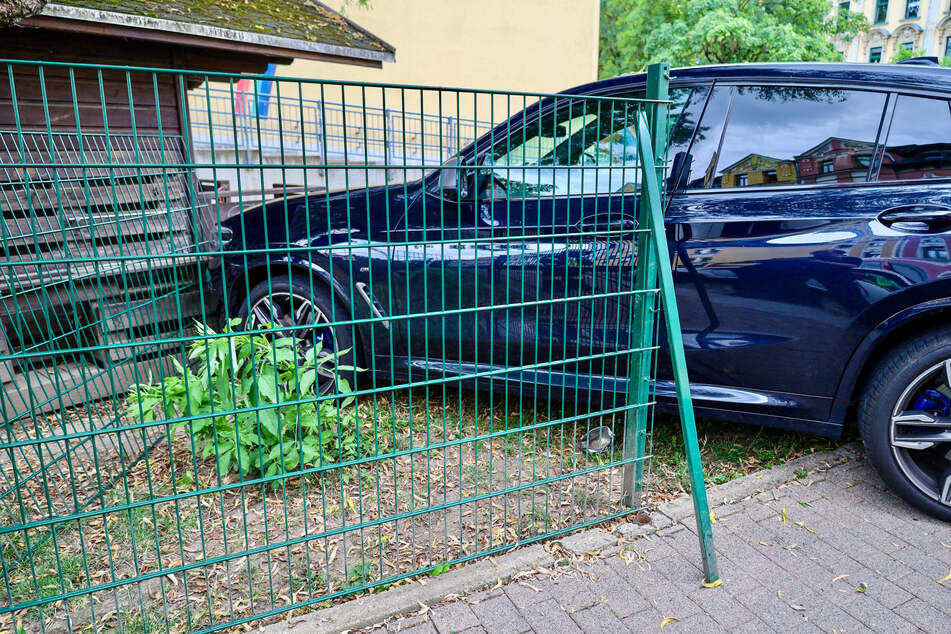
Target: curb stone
<point>593,539</point>
<point>373,609</point>
<point>746,486</point>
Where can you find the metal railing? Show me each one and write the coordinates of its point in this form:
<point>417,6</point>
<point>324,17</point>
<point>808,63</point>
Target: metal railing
<point>211,421</point>
<point>229,120</point>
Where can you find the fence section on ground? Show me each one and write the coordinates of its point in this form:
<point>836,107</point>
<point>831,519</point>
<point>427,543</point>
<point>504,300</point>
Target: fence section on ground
<point>220,408</point>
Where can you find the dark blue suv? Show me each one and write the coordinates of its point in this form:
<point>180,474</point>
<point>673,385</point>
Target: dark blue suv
<point>808,219</point>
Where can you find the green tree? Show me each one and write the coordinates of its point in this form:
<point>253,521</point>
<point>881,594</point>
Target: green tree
<point>905,53</point>
<point>635,33</point>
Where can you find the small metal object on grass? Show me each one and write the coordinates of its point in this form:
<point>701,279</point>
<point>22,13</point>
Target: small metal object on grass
<point>598,440</point>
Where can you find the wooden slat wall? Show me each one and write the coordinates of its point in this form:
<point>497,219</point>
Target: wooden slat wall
<point>91,88</point>
<point>51,213</point>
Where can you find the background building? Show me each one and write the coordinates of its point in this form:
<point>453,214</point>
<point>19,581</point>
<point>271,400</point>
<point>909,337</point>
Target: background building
<point>525,45</point>
<point>533,46</point>
<point>920,25</point>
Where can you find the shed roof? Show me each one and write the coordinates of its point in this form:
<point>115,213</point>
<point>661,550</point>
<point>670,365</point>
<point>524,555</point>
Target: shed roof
<point>306,28</point>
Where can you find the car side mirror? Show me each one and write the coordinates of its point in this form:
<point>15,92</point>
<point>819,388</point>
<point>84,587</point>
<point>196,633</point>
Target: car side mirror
<point>453,183</point>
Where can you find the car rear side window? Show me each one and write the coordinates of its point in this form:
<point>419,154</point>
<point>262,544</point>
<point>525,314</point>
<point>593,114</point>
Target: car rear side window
<point>919,140</point>
<point>783,135</point>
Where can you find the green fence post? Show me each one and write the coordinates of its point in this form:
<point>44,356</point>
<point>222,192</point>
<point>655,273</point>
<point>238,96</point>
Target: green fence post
<point>652,203</point>
<point>635,423</point>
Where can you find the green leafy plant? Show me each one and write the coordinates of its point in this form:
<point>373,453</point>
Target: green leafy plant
<point>250,400</point>
<point>359,575</point>
<point>439,569</point>
<point>905,53</point>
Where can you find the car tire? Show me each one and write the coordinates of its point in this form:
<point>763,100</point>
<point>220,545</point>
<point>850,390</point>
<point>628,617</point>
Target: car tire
<point>293,299</point>
<point>912,384</point>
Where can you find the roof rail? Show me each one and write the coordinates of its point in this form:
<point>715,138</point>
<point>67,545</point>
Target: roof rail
<point>929,60</point>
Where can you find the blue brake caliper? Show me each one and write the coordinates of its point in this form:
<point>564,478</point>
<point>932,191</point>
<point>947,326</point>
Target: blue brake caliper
<point>933,401</point>
<point>325,337</point>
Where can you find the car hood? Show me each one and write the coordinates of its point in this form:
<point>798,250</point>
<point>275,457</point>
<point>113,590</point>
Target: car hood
<point>320,217</point>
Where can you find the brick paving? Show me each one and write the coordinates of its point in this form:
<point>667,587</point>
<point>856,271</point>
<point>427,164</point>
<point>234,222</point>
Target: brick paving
<point>850,557</point>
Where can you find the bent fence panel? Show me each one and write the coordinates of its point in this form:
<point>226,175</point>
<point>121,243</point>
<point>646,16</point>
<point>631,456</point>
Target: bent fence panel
<point>397,332</point>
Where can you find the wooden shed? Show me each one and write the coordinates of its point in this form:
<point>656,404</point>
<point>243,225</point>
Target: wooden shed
<point>84,115</point>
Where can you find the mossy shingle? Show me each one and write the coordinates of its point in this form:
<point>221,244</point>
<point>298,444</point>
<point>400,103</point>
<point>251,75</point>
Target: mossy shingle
<point>303,20</point>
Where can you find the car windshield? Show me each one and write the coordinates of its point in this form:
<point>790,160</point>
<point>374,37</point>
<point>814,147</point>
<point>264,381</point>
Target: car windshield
<point>553,155</point>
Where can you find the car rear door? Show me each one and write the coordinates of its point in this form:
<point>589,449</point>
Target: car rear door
<point>780,242</point>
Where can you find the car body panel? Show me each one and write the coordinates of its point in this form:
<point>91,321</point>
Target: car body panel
<point>783,291</point>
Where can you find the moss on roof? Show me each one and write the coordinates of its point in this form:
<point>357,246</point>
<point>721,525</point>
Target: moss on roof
<point>295,19</point>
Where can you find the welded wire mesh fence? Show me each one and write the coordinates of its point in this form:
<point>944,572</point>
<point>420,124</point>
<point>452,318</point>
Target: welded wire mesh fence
<point>231,120</point>
<point>396,364</point>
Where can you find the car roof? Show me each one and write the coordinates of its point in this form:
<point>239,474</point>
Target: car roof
<point>898,76</point>
<point>890,76</point>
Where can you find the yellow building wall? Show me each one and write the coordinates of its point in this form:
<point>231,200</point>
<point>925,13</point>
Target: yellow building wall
<point>755,170</point>
<point>541,46</point>
<point>532,46</point>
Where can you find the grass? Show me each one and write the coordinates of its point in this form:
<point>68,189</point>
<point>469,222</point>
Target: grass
<point>147,538</point>
<point>52,572</point>
<point>728,451</point>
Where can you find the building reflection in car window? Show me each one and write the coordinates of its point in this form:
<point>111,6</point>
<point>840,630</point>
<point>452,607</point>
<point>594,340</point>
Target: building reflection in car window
<point>919,140</point>
<point>780,135</point>
<point>933,248</point>
<point>584,148</point>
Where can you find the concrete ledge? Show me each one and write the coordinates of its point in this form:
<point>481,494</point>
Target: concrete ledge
<point>631,531</point>
<point>375,608</point>
<point>588,541</point>
<point>748,485</point>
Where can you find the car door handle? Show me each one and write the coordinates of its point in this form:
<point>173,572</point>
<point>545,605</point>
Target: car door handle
<point>589,223</point>
<point>917,218</point>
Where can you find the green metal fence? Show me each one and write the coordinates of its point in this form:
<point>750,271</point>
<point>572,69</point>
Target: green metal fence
<point>257,358</point>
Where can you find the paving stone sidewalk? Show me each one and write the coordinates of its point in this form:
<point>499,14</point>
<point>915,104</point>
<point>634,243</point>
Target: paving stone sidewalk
<point>849,557</point>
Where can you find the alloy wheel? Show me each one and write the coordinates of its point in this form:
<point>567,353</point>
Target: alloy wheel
<point>920,434</point>
<point>290,310</point>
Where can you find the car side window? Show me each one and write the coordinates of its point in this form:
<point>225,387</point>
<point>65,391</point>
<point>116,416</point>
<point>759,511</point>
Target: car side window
<point>919,140</point>
<point>789,135</point>
<point>553,155</point>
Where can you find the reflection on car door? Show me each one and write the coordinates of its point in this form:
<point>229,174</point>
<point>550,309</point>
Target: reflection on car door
<point>777,209</point>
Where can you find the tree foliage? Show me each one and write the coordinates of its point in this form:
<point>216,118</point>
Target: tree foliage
<point>908,53</point>
<point>905,53</point>
<point>635,33</point>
